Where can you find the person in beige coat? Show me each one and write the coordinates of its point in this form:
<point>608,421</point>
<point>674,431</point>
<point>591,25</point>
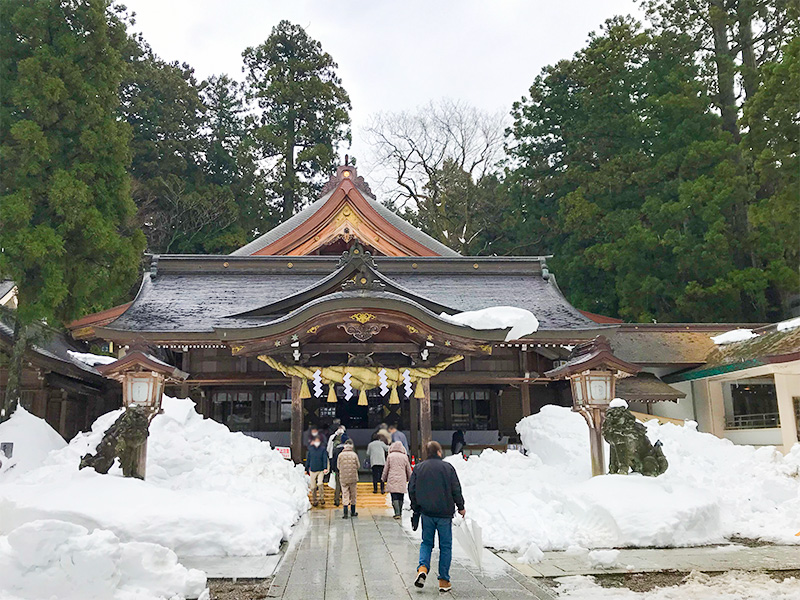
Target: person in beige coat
<point>396,473</point>
<point>347,466</point>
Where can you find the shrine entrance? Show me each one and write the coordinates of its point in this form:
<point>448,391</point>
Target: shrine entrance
<point>360,348</point>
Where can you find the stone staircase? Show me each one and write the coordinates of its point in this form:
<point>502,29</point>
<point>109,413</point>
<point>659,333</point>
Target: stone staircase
<point>364,497</point>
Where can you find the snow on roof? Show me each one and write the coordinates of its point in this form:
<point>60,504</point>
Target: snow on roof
<point>787,325</point>
<point>91,359</point>
<point>735,335</point>
<point>522,322</point>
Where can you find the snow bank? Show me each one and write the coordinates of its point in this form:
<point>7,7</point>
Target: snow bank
<point>521,321</point>
<point>733,585</point>
<point>33,440</point>
<point>54,559</point>
<point>713,489</point>
<point>734,335</point>
<point>208,491</point>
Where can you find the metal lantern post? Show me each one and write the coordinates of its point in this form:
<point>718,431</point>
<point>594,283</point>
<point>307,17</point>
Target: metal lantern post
<point>143,379</point>
<point>592,370</point>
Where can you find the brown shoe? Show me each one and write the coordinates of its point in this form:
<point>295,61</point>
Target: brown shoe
<point>444,586</point>
<point>422,574</point>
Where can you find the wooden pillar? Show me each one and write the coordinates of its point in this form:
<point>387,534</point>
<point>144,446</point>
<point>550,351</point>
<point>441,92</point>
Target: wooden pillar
<point>414,427</point>
<point>425,415</point>
<point>525,395</point>
<point>595,417</point>
<point>787,387</point>
<point>297,421</point>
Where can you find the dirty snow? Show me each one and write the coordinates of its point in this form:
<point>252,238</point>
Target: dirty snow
<point>54,559</point>
<point>735,335</point>
<point>522,322</point>
<point>712,490</point>
<point>208,491</point>
<point>733,585</point>
<point>33,440</point>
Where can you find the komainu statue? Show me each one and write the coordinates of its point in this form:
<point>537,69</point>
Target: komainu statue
<point>123,440</point>
<point>630,448</point>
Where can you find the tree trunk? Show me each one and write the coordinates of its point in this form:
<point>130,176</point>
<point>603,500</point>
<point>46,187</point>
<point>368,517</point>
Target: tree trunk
<point>13,393</point>
<point>744,14</point>
<point>289,173</point>
<point>726,71</point>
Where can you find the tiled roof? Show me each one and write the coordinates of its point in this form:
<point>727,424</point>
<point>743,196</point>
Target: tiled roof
<point>196,294</point>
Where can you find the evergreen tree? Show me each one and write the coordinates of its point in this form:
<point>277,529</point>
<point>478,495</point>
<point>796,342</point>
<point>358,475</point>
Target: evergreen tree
<point>771,145</point>
<point>304,113</point>
<point>67,233</point>
<point>181,182</point>
<point>623,170</point>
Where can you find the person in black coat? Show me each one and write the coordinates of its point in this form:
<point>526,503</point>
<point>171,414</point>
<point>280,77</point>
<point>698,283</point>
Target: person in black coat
<point>458,442</point>
<point>435,493</point>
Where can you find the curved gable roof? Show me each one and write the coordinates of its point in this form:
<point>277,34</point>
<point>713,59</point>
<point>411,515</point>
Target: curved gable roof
<point>305,232</point>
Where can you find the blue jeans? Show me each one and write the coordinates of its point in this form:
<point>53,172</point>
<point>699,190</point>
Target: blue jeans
<point>430,525</point>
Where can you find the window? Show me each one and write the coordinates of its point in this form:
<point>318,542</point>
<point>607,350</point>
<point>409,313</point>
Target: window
<point>471,409</point>
<point>277,406</point>
<point>234,409</point>
<point>751,405</point>
<point>437,409</point>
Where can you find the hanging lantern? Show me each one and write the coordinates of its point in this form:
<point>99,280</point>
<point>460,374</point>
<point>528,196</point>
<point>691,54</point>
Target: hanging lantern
<point>304,392</point>
<point>393,397</point>
<point>332,394</point>
<point>419,391</point>
<point>362,398</point>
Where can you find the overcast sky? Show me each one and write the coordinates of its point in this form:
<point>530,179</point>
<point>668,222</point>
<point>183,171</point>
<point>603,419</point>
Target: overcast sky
<point>392,55</point>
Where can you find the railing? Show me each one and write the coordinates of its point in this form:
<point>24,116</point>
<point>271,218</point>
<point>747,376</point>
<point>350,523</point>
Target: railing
<point>754,421</point>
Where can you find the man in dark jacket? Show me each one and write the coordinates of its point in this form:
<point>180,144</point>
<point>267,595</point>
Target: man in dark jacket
<point>435,492</point>
<point>317,468</point>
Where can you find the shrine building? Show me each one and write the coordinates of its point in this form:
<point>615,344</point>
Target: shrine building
<point>346,311</point>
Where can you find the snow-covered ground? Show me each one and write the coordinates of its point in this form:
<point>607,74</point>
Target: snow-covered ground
<point>53,559</point>
<point>734,585</point>
<point>208,491</point>
<point>713,489</point>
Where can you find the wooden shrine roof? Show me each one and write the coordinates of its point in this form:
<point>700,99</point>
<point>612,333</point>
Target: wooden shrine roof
<point>196,294</point>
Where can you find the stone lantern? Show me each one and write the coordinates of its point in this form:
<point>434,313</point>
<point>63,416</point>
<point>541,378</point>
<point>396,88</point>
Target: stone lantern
<point>592,370</point>
<point>143,378</point>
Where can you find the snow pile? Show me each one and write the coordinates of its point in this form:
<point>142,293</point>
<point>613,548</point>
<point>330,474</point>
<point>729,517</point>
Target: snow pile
<point>618,403</point>
<point>208,491</point>
<point>790,324</point>
<point>54,559</point>
<point>603,559</point>
<point>522,322</point>
<point>33,440</point>
<point>713,489</point>
<point>734,335</point>
<point>733,585</point>
<point>91,359</point>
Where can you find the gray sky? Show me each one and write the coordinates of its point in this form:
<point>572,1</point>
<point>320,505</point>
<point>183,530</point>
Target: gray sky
<point>392,55</point>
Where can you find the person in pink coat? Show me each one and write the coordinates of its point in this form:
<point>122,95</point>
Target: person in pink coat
<point>396,473</point>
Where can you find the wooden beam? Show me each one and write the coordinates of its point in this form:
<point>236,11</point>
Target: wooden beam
<point>297,421</point>
<point>366,348</point>
<point>425,414</point>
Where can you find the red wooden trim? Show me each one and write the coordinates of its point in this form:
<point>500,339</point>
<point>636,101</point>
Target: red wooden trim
<point>345,191</point>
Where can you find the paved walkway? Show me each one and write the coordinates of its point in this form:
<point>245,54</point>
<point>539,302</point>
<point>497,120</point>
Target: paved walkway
<point>707,558</point>
<point>374,557</point>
